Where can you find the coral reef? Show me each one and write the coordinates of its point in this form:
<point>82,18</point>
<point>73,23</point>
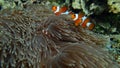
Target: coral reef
<point>114,48</point>
<point>19,4</point>
<point>89,6</point>
<point>35,38</point>
<point>6,4</point>
<point>108,23</point>
<point>76,4</point>
<point>114,6</point>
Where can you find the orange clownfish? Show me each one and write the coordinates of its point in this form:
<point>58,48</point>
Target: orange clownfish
<point>57,10</point>
<point>81,19</point>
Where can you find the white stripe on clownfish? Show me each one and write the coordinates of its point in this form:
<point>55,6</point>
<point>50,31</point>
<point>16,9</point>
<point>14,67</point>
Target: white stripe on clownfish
<point>58,9</point>
<point>88,24</point>
<point>76,17</point>
<point>83,19</point>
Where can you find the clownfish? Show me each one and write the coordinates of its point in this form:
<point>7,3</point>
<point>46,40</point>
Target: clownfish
<point>82,20</point>
<point>60,10</point>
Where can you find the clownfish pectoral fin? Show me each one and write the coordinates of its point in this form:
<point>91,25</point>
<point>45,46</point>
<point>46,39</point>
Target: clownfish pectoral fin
<point>76,24</point>
<point>57,13</point>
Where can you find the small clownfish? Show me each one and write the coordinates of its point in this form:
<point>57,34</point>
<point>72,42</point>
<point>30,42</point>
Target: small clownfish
<point>81,19</point>
<point>57,10</point>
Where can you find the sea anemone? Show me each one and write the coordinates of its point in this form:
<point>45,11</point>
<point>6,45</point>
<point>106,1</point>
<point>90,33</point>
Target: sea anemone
<point>73,47</point>
<point>49,42</point>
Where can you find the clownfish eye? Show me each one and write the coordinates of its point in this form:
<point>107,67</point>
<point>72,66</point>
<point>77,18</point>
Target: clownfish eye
<point>73,16</point>
<point>54,8</point>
